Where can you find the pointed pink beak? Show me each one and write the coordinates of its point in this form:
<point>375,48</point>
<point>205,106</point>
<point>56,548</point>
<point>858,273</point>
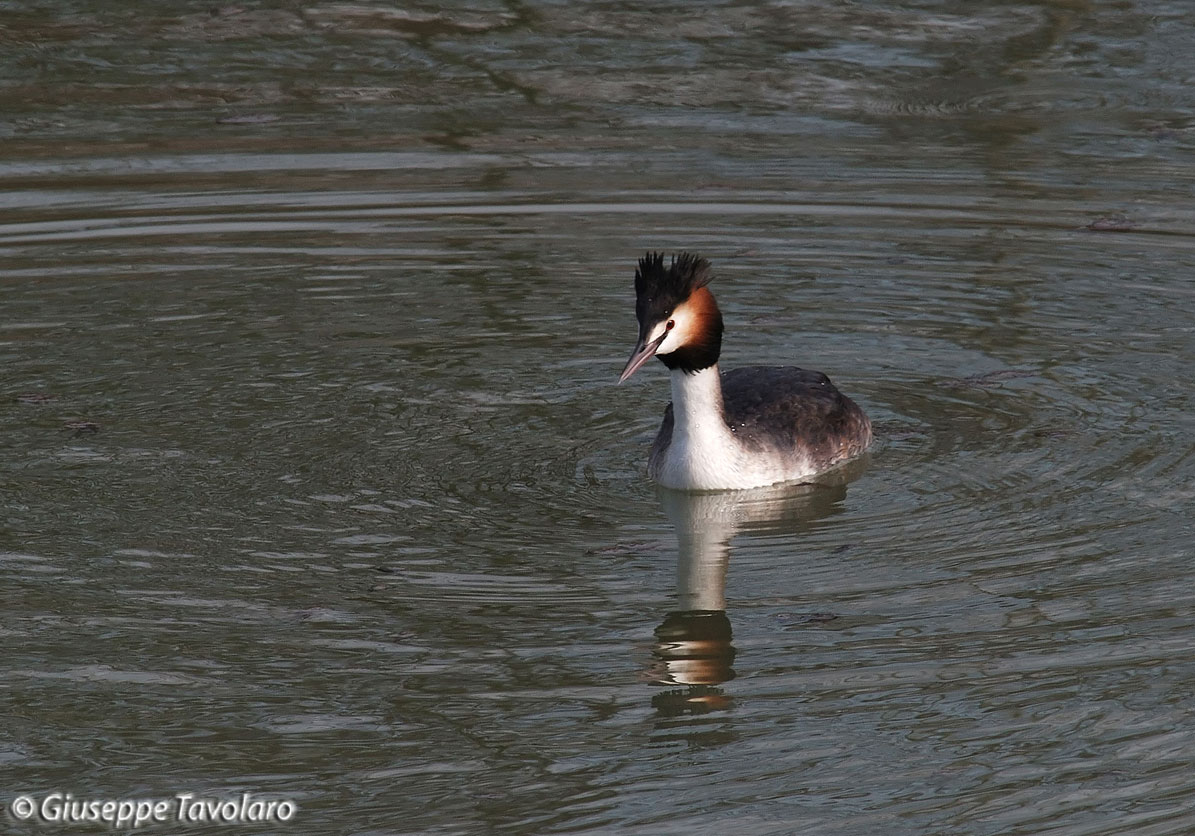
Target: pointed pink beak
<point>643,352</point>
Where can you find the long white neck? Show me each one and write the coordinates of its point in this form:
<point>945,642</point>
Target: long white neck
<point>697,400</point>
<point>703,454</point>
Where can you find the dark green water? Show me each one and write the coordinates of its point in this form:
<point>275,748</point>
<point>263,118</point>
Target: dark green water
<point>317,484</point>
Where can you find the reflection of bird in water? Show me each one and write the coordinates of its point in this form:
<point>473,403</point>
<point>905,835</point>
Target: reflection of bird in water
<point>751,427</point>
<point>693,644</point>
<point>693,648</point>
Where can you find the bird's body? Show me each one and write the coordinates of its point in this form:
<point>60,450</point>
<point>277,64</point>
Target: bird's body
<point>750,427</point>
<point>776,424</point>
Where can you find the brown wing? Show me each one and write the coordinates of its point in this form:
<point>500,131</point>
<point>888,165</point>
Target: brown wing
<point>786,408</point>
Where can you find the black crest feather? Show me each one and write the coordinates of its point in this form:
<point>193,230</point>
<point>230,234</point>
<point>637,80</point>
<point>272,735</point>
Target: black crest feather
<point>659,289</point>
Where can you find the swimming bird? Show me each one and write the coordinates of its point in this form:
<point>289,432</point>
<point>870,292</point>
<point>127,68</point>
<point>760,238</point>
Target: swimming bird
<point>750,427</point>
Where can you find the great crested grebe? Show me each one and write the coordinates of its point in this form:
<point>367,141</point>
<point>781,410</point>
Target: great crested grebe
<point>751,427</point>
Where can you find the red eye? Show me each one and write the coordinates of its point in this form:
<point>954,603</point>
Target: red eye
<point>671,324</point>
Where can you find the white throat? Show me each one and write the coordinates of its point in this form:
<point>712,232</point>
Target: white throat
<point>704,454</point>
<point>697,401</point>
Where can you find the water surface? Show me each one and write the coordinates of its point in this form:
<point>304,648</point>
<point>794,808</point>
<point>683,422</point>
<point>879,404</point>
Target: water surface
<point>318,485</point>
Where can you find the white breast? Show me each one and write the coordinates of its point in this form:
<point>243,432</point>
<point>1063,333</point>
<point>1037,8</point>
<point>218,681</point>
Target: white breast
<point>704,454</point>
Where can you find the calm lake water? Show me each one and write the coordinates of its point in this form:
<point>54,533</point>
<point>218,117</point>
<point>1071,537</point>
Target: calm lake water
<point>317,484</point>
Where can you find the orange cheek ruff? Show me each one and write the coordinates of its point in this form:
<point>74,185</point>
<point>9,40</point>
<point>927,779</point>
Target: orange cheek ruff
<point>695,319</point>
